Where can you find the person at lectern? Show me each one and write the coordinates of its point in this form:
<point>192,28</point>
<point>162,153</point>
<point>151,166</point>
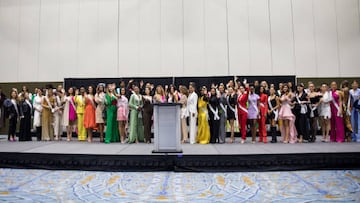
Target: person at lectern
<point>160,96</point>
<point>193,113</point>
<point>203,135</point>
<point>136,119</point>
<point>112,133</point>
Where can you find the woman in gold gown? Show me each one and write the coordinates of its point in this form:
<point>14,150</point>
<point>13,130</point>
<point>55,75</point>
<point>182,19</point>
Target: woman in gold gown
<point>203,136</point>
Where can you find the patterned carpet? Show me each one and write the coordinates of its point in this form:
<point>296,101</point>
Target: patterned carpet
<point>17,185</point>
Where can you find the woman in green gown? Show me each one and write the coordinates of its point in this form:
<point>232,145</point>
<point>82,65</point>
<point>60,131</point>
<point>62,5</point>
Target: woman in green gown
<point>136,121</point>
<point>111,133</point>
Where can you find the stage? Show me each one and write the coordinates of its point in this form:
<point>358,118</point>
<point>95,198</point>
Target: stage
<point>77,155</point>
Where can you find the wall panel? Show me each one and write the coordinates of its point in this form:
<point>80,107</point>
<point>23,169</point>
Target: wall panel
<point>259,29</point>
<point>28,57</point>
<point>128,37</point>
<point>88,40</point>
<point>326,38</point>
<point>172,57</point>
<point>348,37</point>
<point>239,44</point>
<point>282,38</point>
<point>304,38</point>
<point>149,38</point>
<point>194,38</point>
<point>107,49</point>
<point>9,39</point>
<point>216,49</point>
<point>68,37</point>
<point>49,42</point>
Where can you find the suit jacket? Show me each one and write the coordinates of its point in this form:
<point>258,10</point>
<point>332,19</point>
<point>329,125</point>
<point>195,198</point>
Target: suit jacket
<point>192,103</point>
<point>11,111</point>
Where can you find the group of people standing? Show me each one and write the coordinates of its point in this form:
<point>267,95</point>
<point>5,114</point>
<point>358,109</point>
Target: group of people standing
<point>125,114</point>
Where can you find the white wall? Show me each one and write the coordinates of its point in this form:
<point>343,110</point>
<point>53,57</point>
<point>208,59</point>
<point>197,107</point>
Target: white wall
<point>47,40</point>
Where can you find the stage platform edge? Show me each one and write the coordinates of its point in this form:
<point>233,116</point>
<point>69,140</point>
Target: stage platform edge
<point>182,163</point>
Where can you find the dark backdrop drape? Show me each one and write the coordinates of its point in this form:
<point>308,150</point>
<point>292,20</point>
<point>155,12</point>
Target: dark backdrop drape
<point>200,81</point>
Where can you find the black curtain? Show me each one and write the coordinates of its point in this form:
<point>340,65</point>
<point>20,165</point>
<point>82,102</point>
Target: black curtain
<point>78,82</point>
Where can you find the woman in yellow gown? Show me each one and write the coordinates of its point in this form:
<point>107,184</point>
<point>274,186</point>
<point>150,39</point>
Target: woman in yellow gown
<point>203,136</point>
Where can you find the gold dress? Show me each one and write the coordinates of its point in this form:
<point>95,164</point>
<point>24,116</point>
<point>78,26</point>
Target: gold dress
<point>203,135</point>
<point>47,119</point>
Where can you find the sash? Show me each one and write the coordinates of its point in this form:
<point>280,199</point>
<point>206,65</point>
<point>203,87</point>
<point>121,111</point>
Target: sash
<point>254,105</point>
<point>275,111</point>
<point>72,103</point>
<point>228,104</point>
<point>48,102</point>
<point>29,104</point>
<point>92,101</point>
<point>223,108</point>
<point>215,112</point>
<point>241,107</point>
<point>16,108</point>
<point>312,111</point>
<point>336,105</point>
<point>303,107</point>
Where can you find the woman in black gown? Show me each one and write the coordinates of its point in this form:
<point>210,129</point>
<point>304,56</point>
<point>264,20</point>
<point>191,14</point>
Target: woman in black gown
<point>25,118</point>
<point>147,114</point>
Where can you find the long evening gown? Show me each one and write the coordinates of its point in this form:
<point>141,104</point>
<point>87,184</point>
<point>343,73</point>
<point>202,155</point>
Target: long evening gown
<point>337,132</point>
<point>47,120</point>
<point>112,131</point>
<point>136,120</point>
<point>214,118</point>
<point>203,136</point>
<point>147,114</point>
<point>25,122</point>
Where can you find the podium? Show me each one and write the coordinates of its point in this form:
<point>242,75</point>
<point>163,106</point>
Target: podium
<point>167,129</point>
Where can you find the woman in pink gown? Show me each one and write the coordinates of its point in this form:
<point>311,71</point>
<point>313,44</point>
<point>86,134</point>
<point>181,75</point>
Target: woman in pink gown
<point>288,130</point>
<point>337,132</point>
